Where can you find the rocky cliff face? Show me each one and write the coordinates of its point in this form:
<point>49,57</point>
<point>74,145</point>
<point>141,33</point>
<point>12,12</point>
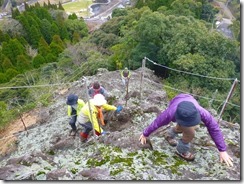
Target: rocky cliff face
<point>49,153</point>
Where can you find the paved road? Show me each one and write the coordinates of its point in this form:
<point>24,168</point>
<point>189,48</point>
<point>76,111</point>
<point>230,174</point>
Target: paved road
<point>226,10</point>
<point>105,12</point>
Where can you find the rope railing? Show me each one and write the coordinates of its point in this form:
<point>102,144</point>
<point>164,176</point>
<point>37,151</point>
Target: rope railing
<point>225,102</point>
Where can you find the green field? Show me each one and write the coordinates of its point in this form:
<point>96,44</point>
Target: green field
<point>79,7</point>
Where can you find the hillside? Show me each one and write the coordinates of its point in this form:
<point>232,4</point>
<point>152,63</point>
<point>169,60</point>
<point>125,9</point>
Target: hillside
<point>47,152</point>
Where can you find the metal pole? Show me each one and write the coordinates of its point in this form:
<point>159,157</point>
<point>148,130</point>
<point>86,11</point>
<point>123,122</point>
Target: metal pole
<point>142,75</point>
<point>127,91</point>
<point>227,99</point>
<point>89,105</point>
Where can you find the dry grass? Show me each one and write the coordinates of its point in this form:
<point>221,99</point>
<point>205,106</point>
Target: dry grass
<point>7,137</point>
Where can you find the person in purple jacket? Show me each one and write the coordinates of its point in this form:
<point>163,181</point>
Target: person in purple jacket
<point>186,111</point>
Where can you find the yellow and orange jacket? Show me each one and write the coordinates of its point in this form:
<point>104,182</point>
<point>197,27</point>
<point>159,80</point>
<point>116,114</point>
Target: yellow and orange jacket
<point>94,117</point>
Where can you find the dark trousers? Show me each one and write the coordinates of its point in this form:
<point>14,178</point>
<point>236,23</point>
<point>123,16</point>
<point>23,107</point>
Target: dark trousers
<point>87,127</point>
<point>72,122</point>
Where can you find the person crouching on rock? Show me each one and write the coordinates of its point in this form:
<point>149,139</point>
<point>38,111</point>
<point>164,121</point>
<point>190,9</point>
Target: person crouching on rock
<point>186,111</point>
<point>97,104</point>
<point>74,108</point>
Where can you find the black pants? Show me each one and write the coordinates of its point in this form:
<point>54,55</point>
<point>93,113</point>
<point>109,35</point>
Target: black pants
<point>72,122</point>
<point>87,127</point>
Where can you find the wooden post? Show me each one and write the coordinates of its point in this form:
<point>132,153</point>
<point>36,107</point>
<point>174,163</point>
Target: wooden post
<point>142,76</point>
<point>227,99</point>
<point>90,111</point>
<point>23,122</point>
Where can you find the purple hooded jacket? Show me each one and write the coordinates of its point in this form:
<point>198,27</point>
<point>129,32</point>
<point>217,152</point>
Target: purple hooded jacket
<point>167,116</point>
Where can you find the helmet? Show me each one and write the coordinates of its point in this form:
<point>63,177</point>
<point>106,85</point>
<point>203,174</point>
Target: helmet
<point>99,100</point>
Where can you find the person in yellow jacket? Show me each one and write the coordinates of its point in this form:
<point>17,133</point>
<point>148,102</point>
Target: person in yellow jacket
<point>91,120</point>
<point>74,109</point>
<point>125,76</point>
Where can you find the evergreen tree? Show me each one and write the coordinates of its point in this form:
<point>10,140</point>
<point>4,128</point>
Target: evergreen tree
<point>27,7</point>
<point>22,40</point>
<point>23,64</point>
<point>57,40</point>
<point>46,30</point>
<point>54,29</point>
<point>56,49</point>
<point>13,49</point>
<point>64,34</point>
<point>3,79</point>
<point>73,16</point>
<point>38,61</point>
<point>4,37</point>
<point>15,12</point>
<point>6,64</point>
<point>76,37</point>
<point>51,58</point>
<point>22,19</point>
<point>35,36</point>
<point>43,47</point>
<point>60,6</point>
<point>11,73</point>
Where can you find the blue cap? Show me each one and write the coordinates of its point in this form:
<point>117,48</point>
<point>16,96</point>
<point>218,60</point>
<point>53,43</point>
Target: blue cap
<point>187,114</point>
<point>72,99</point>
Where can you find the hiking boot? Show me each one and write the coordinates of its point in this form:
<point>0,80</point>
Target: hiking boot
<point>83,137</point>
<point>171,141</point>
<point>188,156</point>
<point>83,140</point>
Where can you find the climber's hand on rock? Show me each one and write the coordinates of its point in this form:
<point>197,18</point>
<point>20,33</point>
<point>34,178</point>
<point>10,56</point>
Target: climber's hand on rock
<point>224,156</point>
<point>143,139</point>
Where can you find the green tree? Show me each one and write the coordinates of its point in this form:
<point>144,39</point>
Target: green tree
<point>51,58</point>
<point>56,49</point>
<point>76,25</point>
<point>60,6</point>
<point>43,47</point>
<point>38,61</point>
<point>76,37</point>
<point>4,37</point>
<point>208,12</point>
<point>235,27</point>
<point>3,79</point>
<point>57,40</point>
<point>15,12</point>
<point>35,36</point>
<point>153,4</point>
<point>11,73</point>
<point>73,16</point>
<point>3,108</point>
<point>55,30</point>
<point>23,64</point>
<point>6,64</point>
<point>119,12</point>
<point>12,49</point>
<point>186,8</point>
<point>46,30</point>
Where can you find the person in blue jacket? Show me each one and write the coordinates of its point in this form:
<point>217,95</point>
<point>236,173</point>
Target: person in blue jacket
<point>97,89</point>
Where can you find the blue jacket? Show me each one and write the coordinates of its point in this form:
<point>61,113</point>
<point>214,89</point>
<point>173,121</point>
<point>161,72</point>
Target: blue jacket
<point>93,92</point>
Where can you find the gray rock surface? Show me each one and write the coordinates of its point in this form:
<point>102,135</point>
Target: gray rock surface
<point>49,153</point>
